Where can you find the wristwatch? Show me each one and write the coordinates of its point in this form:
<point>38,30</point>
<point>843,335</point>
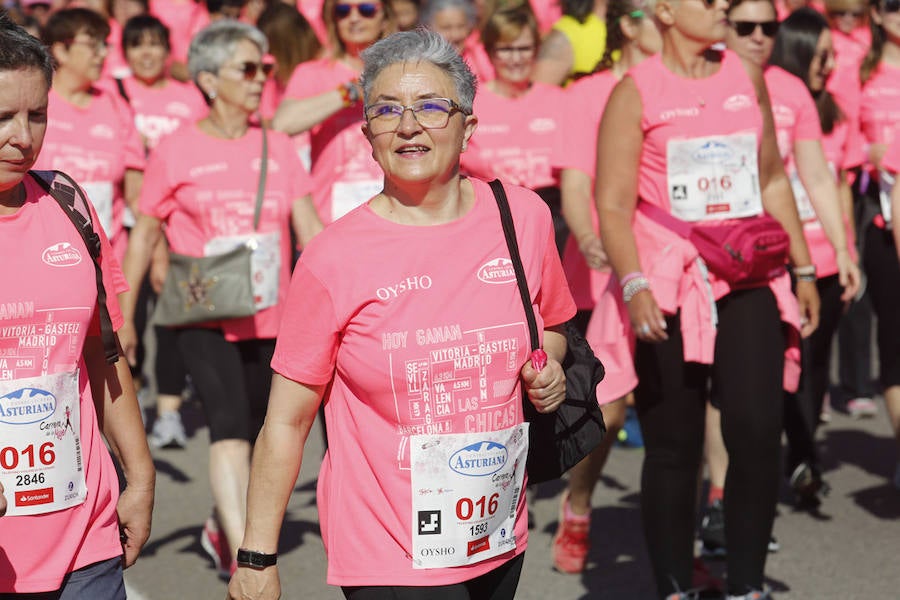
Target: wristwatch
<point>254,559</point>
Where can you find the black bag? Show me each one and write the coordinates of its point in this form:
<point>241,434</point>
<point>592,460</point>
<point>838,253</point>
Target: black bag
<point>559,440</point>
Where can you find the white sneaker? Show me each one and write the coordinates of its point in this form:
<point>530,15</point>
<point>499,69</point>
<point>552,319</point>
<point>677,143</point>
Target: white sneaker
<point>168,432</point>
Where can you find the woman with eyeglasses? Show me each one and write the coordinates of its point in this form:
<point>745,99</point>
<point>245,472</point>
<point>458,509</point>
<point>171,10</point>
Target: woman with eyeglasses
<point>323,97</point>
<point>419,349</point>
<point>91,133</point>
<point>815,142</point>
<point>521,124</point>
<point>633,36</point>
<point>879,115</point>
<point>688,134</point>
<point>202,186</point>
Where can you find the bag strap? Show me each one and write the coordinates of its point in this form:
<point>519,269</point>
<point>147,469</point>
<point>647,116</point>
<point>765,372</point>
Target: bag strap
<point>65,194</point>
<point>263,174</point>
<point>120,85</point>
<point>509,232</point>
<point>665,218</point>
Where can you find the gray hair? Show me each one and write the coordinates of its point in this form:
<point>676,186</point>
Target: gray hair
<point>416,46</point>
<point>215,44</point>
<point>433,7</point>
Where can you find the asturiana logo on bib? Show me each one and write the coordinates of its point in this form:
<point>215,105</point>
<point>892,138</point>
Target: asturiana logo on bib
<point>479,459</point>
<point>499,270</point>
<point>26,405</point>
<point>62,254</point>
<point>713,152</point>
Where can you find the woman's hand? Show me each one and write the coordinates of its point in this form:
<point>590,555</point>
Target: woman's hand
<point>135,510</point>
<point>808,299</point>
<point>592,249</point>
<point>546,388</point>
<point>254,584</point>
<point>848,275</point>
<point>128,340</point>
<point>647,320</point>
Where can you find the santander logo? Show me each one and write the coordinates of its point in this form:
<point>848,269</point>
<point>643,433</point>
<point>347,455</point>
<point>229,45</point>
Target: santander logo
<point>499,270</point>
<point>62,254</point>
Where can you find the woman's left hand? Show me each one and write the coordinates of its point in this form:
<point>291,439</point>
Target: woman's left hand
<point>808,299</point>
<point>546,388</point>
<point>135,509</point>
<point>848,275</point>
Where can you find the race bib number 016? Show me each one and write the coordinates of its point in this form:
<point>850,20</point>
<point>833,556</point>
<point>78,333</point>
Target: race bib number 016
<point>465,493</point>
<point>714,178</point>
<point>40,444</point>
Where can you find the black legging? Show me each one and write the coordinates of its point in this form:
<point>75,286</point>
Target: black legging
<point>671,399</point>
<point>499,584</point>
<point>802,410</point>
<point>883,271</point>
<point>232,380</point>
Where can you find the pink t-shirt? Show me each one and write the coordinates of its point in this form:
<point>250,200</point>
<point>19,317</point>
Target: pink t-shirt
<point>95,145</point>
<point>204,187</point>
<point>115,64</point>
<point>880,107</point>
<point>702,122</point>
<point>516,138</point>
<point>160,111</point>
<point>184,18</point>
<point>44,319</point>
<point>585,100</point>
<point>312,10</point>
<point>414,343</point>
<point>344,173</point>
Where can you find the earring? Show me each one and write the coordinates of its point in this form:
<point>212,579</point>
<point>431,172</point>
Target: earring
<point>212,94</point>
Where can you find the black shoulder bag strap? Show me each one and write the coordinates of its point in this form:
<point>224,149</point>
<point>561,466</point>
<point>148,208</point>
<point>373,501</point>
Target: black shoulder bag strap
<point>509,231</point>
<point>65,194</point>
<point>121,86</point>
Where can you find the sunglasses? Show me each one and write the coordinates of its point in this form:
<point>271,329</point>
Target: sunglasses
<point>890,6</point>
<point>365,9</point>
<point>745,28</point>
<point>250,69</point>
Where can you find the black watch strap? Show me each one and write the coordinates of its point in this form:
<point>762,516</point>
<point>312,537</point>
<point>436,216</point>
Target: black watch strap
<point>254,559</point>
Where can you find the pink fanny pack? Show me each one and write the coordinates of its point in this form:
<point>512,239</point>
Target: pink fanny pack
<point>745,253</point>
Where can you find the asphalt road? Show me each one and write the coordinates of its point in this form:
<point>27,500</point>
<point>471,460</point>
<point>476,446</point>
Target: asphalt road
<point>849,551</point>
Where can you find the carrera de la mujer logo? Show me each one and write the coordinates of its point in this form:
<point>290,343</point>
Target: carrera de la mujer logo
<point>479,459</point>
<point>26,405</point>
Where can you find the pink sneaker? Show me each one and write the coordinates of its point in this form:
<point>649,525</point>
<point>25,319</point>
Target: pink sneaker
<point>862,408</point>
<point>572,541</point>
<point>216,546</point>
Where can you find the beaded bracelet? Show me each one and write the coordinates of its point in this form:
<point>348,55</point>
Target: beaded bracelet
<point>638,284</point>
<point>629,277</point>
<point>349,93</point>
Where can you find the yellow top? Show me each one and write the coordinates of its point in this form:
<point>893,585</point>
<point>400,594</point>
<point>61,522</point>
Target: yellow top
<point>588,41</point>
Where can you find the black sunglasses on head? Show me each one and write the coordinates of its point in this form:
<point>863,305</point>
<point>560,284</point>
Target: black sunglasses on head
<point>745,28</point>
<point>365,9</point>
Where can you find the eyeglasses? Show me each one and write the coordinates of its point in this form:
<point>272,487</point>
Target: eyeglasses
<point>249,69</point>
<point>97,46</point>
<point>430,113</point>
<point>508,51</point>
<point>365,9</point>
<point>745,28</point>
<point>890,6</point>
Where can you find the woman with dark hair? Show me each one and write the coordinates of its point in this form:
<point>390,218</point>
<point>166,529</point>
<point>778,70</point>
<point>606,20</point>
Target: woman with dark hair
<point>91,133</point>
<point>67,531</point>
<point>323,97</point>
<point>576,43</point>
<point>687,136</point>
<point>796,75</point>
<point>633,36</point>
<point>879,115</point>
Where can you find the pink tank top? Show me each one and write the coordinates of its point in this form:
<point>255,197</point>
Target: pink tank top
<point>688,118</point>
